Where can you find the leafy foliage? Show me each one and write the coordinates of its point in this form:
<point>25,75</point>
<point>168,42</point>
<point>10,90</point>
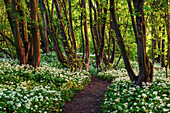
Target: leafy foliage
<point>122,96</point>
<point>45,89</point>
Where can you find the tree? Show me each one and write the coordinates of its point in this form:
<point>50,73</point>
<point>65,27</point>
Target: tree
<point>145,66</point>
<point>99,35</point>
<point>35,34</point>
<point>87,60</point>
<point>25,46</point>
<point>6,39</point>
<point>71,61</point>
<point>43,29</point>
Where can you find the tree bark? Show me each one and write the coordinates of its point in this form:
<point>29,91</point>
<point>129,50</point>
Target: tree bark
<point>163,50</point>
<point>73,37</point>
<point>167,20</point>
<point>8,5</point>
<point>121,43</point>
<point>158,59</point>
<point>113,40</point>
<point>66,45</point>
<point>94,35</point>
<point>145,66</point>
<point>45,35</point>
<point>87,59</point>
<point>82,36</point>
<point>35,34</point>
<point>16,32</point>
<point>133,19</point>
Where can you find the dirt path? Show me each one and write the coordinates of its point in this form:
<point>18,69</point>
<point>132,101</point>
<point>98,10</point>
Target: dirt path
<point>88,100</point>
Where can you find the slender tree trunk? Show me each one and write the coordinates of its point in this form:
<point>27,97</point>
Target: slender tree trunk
<point>121,43</point>
<point>52,34</point>
<point>45,35</point>
<point>163,50</point>
<point>167,19</point>
<point>82,36</point>
<point>133,19</point>
<point>6,39</point>
<point>153,39</point>
<point>65,12</point>
<point>93,32</point>
<point>8,5</point>
<point>113,40</point>
<point>145,66</point>
<point>66,45</point>
<point>18,39</point>
<point>103,26</point>
<point>30,38</point>
<point>35,34</point>
<point>87,59</point>
<point>153,49</point>
<point>158,59</point>
<point>118,61</point>
<point>96,36</point>
<point>73,36</point>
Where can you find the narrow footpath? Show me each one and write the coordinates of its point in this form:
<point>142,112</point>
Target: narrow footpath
<point>89,99</point>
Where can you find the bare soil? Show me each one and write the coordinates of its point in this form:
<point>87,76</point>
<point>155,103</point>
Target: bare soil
<point>89,99</point>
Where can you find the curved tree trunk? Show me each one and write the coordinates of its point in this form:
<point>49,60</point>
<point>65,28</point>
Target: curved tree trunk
<point>145,66</point>
<point>66,45</point>
<point>16,30</point>
<point>121,43</point>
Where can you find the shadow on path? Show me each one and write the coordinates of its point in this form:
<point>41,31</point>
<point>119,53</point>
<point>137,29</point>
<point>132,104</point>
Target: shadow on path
<point>88,100</point>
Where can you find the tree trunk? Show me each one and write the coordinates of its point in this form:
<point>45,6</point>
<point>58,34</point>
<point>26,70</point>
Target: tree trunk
<point>87,59</point>
<point>45,35</point>
<point>73,37</point>
<point>167,19</point>
<point>153,33</point>
<point>82,36</point>
<point>121,43</point>
<point>94,35</point>
<point>158,59</point>
<point>163,50</point>
<point>133,19</point>
<point>18,39</point>
<point>35,34</point>
<point>113,40</point>
<point>66,45</point>
<point>8,5</point>
<point>145,66</point>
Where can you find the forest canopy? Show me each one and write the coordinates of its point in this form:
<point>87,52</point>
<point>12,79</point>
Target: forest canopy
<point>134,30</point>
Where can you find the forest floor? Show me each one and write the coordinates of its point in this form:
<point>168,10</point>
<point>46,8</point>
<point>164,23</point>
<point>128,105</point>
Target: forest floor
<point>89,99</point>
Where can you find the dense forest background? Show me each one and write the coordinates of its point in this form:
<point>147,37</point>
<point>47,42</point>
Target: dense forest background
<point>134,30</point>
<point>115,53</point>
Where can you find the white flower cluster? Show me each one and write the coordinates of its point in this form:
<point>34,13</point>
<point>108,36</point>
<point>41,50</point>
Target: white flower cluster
<point>122,96</point>
<point>26,89</point>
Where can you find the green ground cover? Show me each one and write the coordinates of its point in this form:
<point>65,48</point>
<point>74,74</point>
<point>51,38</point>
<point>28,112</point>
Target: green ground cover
<point>123,97</point>
<point>46,89</point>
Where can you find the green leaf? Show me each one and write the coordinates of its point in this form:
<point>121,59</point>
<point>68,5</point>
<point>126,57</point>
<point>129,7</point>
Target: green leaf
<point>147,8</point>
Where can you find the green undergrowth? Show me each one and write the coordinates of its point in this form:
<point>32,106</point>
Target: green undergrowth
<point>45,89</point>
<point>123,97</point>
